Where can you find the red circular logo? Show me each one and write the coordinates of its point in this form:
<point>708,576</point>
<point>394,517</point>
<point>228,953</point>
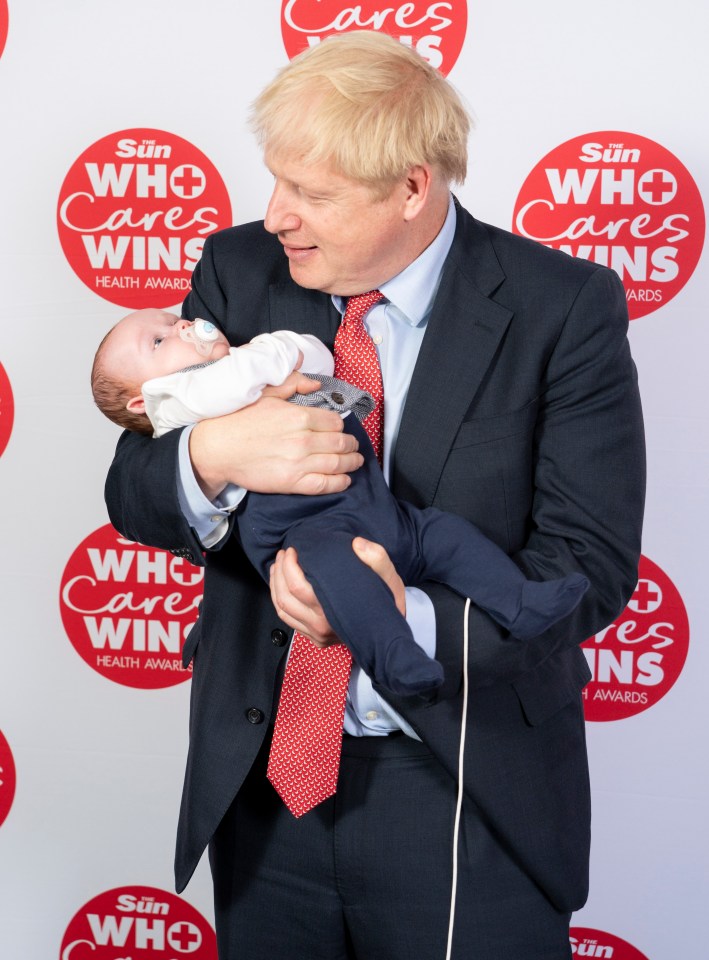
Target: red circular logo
<point>595,943</point>
<point>435,30</point>
<point>638,658</point>
<point>623,201</point>
<point>4,18</point>
<point>7,778</point>
<point>140,923</point>
<point>128,608</point>
<point>134,212</point>
<point>7,409</point>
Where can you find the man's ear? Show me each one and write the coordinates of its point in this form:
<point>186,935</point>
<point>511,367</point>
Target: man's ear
<point>136,404</point>
<point>419,182</point>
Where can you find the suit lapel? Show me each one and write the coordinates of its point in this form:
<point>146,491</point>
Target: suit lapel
<point>304,311</point>
<point>463,334</point>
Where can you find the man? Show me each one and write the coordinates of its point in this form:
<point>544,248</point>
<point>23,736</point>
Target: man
<point>510,399</point>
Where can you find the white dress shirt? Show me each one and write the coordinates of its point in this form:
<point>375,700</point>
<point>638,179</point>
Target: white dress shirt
<point>397,326</point>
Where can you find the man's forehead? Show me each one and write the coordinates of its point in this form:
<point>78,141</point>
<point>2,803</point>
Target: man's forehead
<point>294,167</point>
<point>322,178</point>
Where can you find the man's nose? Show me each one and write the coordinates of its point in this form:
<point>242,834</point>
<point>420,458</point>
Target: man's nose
<point>280,214</point>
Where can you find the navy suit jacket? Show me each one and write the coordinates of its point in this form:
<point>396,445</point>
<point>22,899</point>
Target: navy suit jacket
<point>523,416</point>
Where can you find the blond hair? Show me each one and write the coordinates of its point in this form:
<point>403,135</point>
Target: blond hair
<point>367,104</point>
<point>111,394</point>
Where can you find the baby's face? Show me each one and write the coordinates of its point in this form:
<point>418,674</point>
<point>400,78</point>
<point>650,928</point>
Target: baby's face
<point>149,343</point>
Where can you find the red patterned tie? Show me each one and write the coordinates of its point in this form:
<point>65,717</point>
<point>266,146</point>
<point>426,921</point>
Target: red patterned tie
<point>356,362</point>
<point>307,739</point>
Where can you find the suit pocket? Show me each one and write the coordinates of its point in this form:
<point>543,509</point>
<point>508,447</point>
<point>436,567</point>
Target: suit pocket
<point>487,429</point>
<point>488,475</point>
<point>554,683</point>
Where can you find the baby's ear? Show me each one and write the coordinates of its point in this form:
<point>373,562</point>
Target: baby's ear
<point>136,404</point>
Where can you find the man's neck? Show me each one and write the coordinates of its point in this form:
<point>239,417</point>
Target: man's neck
<point>426,227</point>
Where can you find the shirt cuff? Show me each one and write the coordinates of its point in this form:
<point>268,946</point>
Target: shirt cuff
<point>421,617</point>
<point>368,714</point>
<point>208,518</point>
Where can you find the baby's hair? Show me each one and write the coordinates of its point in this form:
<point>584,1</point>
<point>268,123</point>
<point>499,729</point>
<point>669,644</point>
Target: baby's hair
<point>112,394</point>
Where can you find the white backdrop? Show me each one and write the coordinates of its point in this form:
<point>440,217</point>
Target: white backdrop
<point>98,761</point>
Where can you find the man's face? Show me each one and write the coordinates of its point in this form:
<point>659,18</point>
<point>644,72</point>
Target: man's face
<point>338,236</point>
<point>148,344</point>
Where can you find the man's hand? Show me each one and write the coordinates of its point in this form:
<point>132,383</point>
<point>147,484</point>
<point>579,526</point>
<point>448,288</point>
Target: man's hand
<point>376,557</point>
<point>275,447</point>
<point>295,600</point>
<point>294,383</point>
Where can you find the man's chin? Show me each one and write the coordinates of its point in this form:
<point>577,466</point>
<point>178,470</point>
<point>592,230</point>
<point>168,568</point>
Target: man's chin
<point>305,277</point>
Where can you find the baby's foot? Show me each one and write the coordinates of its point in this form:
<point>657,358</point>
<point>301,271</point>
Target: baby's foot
<point>408,670</point>
<point>543,603</point>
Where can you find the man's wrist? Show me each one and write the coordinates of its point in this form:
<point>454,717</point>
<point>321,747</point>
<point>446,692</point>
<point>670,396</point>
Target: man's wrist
<point>211,483</point>
<point>208,518</point>
<point>421,617</point>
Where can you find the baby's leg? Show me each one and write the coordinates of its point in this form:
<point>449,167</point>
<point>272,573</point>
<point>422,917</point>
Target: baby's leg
<point>453,551</point>
<point>361,610</point>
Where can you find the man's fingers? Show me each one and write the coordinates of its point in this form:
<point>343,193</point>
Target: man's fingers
<point>376,557</point>
<point>294,579</point>
<point>288,607</point>
<point>274,447</point>
<point>327,473</point>
<point>306,385</point>
<point>295,600</point>
<point>294,383</point>
<point>317,484</point>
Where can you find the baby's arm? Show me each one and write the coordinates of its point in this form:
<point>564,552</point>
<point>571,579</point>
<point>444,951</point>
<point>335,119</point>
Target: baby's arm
<point>231,383</point>
<point>317,359</point>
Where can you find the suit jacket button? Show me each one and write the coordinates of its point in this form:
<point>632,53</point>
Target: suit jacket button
<point>279,637</point>
<point>254,715</point>
<point>337,398</point>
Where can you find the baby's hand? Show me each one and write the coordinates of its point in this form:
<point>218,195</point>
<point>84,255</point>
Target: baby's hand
<point>294,383</point>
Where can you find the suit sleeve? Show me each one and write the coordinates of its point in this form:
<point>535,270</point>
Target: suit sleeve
<point>588,490</point>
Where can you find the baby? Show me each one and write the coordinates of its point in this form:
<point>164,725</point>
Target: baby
<point>154,372</point>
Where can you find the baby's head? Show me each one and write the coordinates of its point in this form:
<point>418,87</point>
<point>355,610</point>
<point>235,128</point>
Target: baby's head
<point>145,344</point>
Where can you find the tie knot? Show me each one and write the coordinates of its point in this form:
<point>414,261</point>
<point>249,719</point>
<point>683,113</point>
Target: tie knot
<point>358,305</point>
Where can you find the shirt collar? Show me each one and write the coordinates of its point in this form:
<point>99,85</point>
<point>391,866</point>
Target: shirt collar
<point>413,291</point>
